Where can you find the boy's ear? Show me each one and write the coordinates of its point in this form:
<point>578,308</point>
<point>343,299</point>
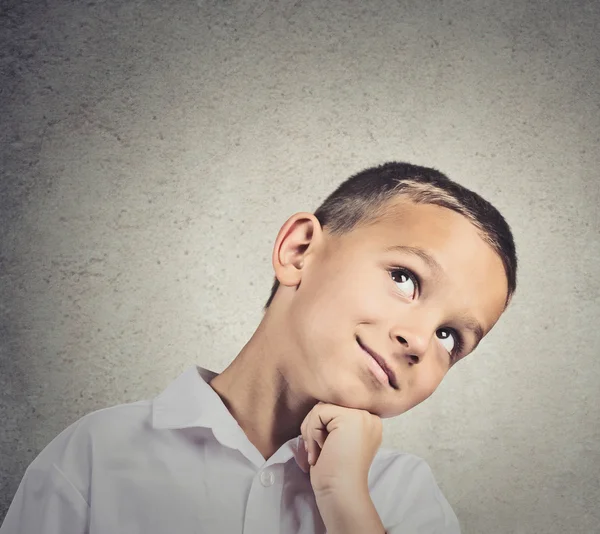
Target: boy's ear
<point>298,238</point>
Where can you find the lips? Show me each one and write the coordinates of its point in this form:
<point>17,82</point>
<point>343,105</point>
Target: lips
<point>382,363</point>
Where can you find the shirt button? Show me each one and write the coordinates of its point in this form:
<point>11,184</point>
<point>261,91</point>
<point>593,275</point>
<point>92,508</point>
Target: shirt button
<point>267,478</point>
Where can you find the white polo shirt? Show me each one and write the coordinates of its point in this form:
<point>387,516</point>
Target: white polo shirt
<point>180,463</point>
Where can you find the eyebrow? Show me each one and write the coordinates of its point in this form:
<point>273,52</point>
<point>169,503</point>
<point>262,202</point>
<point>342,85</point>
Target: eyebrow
<point>472,325</point>
<point>469,322</point>
<point>416,251</point>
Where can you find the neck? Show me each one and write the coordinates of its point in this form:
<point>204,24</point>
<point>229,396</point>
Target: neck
<point>259,390</point>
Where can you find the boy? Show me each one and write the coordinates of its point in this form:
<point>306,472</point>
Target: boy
<point>395,278</point>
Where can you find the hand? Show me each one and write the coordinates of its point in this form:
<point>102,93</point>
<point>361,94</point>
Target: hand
<point>342,443</point>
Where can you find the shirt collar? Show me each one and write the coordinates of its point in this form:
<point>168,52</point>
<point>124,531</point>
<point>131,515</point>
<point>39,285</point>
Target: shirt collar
<point>190,401</point>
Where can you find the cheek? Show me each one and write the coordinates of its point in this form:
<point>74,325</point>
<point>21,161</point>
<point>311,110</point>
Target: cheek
<point>323,330</point>
<point>424,384</point>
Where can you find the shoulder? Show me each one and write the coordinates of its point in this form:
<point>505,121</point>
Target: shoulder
<point>399,466</point>
<point>76,448</point>
<point>107,424</point>
<point>98,427</point>
<point>405,491</point>
<point>55,492</point>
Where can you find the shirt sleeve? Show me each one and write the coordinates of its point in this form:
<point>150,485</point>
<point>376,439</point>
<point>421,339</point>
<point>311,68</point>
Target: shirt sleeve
<point>421,507</point>
<point>46,502</point>
<point>50,498</point>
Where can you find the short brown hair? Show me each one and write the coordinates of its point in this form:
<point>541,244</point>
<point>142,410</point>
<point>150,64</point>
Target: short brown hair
<point>362,199</point>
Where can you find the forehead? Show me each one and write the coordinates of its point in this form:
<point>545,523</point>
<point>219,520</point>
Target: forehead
<point>471,273</point>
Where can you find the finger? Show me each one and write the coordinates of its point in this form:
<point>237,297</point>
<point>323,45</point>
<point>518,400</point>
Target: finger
<point>317,442</point>
<point>306,437</point>
<point>315,451</point>
<point>319,435</point>
<point>309,447</point>
<point>314,433</point>
<point>302,456</point>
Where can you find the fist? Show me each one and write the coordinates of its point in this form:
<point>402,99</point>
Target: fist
<point>340,445</point>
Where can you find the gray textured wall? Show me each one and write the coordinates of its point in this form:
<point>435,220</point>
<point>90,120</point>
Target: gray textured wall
<point>152,150</point>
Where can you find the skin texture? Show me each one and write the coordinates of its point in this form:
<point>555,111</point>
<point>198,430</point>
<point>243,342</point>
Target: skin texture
<point>303,371</point>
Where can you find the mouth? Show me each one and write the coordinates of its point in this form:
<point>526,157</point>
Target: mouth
<point>382,363</point>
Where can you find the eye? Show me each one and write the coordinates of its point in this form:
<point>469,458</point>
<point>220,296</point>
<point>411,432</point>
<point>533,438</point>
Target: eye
<point>405,279</point>
<point>455,343</point>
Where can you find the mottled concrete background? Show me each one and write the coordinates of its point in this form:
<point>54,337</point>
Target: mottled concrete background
<point>151,151</point>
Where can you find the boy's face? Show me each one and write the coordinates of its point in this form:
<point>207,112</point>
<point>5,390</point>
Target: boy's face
<point>412,308</point>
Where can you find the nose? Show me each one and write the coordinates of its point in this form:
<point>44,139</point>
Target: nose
<point>413,343</point>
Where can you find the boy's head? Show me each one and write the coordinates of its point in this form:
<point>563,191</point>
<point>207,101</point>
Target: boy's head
<point>398,259</point>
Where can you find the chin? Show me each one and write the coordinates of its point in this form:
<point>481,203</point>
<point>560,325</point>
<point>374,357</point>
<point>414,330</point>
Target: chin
<point>361,398</point>
<point>351,396</point>
<point>387,414</point>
